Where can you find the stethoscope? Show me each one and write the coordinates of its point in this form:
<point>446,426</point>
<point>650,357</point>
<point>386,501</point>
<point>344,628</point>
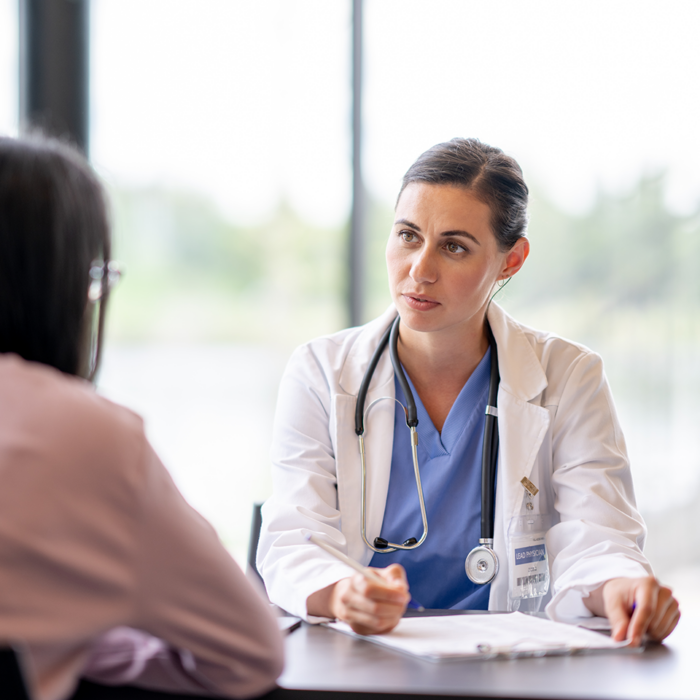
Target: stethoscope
<point>481,563</point>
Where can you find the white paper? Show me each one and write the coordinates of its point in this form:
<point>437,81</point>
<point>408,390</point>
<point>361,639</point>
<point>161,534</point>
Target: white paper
<point>485,636</point>
<point>590,623</point>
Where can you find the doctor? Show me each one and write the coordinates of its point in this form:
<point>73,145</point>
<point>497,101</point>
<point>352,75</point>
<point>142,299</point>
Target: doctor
<point>561,531</point>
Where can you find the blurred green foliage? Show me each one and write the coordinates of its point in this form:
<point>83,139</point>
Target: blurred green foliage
<point>626,251</point>
<point>193,275</point>
<point>617,274</point>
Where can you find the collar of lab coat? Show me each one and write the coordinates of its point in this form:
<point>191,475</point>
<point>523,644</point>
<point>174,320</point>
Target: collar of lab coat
<point>522,426</point>
<point>522,374</point>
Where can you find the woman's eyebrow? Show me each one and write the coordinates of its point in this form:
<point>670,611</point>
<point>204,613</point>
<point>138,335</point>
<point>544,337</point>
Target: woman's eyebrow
<point>466,234</point>
<point>406,222</point>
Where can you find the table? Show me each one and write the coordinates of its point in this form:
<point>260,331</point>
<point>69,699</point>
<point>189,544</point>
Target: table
<point>323,664</point>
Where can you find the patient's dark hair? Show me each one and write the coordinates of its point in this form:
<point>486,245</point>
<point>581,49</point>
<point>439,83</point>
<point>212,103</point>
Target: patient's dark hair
<point>53,224</point>
<point>493,177</point>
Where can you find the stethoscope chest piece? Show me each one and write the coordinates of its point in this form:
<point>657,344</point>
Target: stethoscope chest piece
<point>481,565</point>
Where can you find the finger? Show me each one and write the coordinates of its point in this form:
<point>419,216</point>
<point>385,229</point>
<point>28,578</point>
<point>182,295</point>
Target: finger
<point>393,591</point>
<point>366,620</point>
<point>368,625</point>
<point>664,624</point>
<point>378,611</point>
<point>645,600</point>
<point>395,574</point>
<point>367,616</point>
<point>672,624</point>
<point>618,610</point>
<point>665,605</point>
<point>381,610</point>
<point>375,598</point>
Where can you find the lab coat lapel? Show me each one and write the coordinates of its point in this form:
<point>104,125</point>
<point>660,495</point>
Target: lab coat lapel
<point>522,425</point>
<point>379,439</point>
<point>359,355</point>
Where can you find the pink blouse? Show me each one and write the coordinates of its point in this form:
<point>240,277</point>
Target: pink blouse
<point>105,570</point>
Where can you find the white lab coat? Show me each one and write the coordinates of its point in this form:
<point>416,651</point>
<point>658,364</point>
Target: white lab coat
<point>558,427</point>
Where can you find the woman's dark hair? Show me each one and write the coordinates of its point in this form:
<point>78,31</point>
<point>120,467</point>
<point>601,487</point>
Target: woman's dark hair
<point>493,177</point>
<point>53,224</point>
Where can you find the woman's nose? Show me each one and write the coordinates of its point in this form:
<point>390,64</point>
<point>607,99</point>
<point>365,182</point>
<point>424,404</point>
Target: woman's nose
<point>424,267</point>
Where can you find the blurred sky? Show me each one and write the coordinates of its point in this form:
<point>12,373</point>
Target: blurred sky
<point>249,101</point>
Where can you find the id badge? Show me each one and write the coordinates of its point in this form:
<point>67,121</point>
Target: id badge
<point>529,565</point>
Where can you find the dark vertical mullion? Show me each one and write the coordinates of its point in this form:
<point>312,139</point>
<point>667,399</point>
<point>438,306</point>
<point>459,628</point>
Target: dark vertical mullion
<point>357,217</point>
<point>54,60</point>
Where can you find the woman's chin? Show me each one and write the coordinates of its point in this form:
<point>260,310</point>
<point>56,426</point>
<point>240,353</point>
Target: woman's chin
<point>421,321</point>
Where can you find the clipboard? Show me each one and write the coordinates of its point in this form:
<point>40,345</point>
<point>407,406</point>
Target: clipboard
<point>479,637</point>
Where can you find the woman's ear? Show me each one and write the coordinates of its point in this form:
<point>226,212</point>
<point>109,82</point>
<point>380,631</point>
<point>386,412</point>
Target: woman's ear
<point>515,258</point>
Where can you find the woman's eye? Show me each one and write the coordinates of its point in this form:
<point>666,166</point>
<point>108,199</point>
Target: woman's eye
<point>454,248</point>
<point>408,236</point>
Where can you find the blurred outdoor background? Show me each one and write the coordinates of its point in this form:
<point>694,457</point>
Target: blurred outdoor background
<point>222,130</point>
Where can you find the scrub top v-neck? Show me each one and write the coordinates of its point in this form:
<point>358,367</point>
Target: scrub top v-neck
<point>450,466</point>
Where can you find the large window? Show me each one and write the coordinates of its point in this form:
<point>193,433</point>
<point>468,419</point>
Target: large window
<point>223,131</point>
<point>9,67</point>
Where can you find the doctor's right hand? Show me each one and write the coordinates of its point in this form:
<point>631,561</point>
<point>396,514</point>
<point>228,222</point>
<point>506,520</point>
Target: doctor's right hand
<point>369,607</point>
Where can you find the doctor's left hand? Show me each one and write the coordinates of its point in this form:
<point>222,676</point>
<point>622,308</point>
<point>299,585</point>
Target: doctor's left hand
<point>368,606</point>
<point>636,607</point>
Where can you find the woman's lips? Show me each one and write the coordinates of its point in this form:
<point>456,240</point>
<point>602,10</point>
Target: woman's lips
<point>419,303</point>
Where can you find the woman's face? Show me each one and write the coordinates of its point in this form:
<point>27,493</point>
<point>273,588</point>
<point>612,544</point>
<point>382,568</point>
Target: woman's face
<point>443,258</point>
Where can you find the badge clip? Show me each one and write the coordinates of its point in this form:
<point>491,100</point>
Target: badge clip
<point>531,490</point>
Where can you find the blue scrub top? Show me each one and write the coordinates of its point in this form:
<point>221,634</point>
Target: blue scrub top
<point>450,469</point>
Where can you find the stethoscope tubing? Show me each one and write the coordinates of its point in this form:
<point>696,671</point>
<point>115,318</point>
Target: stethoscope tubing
<point>412,543</point>
<point>489,456</point>
<point>390,336</point>
<point>411,410</point>
<point>489,452</point>
<point>367,379</point>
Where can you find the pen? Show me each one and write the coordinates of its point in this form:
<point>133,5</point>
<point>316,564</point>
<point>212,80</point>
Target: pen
<point>368,573</point>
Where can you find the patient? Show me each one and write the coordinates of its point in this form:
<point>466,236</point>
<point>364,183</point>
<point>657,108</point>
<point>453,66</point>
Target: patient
<point>96,542</point>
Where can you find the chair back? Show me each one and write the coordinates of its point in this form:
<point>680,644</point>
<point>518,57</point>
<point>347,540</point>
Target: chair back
<point>11,680</point>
